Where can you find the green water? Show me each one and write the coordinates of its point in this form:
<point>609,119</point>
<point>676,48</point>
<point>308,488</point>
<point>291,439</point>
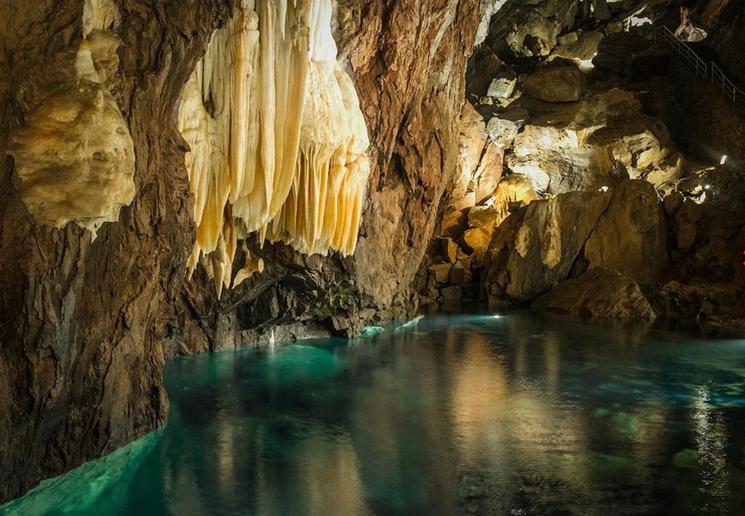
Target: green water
<point>454,415</point>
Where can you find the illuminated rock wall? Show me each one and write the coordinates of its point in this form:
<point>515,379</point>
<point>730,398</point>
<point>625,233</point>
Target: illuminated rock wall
<point>74,155</point>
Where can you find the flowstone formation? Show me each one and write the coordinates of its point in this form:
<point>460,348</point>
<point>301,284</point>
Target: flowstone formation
<point>74,156</point>
<point>278,142</point>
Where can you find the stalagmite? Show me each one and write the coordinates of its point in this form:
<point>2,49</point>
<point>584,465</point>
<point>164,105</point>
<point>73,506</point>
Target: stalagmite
<point>278,141</point>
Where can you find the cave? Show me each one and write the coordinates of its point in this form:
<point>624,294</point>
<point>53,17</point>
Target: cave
<point>372,257</point>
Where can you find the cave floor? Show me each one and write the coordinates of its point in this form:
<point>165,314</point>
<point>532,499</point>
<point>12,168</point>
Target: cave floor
<point>481,414</point>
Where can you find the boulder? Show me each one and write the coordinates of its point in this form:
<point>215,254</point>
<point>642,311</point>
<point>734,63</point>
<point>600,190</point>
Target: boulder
<point>598,294</point>
<point>450,250</point>
<point>631,237</point>
<point>480,216</point>
<point>453,224</point>
<point>617,50</point>
<point>580,47</point>
<point>532,251</point>
<point>502,87</point>
<point>504,126</point>
<point>478,240</point>
<point>441,272</point>
<point>555,84</point>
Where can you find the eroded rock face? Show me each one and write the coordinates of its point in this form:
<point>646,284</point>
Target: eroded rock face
<point>631,237</point>
<point>595,143</point>
<point>623,230</point>
<point>479,165</point>
<point>598,294</point>
<point>74,157</point>
<point>86,182</point>
<point>536,249</point>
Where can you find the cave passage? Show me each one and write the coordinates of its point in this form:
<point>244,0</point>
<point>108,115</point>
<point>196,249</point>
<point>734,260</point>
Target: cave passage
<point>451,415</point>
<point>308,188</point>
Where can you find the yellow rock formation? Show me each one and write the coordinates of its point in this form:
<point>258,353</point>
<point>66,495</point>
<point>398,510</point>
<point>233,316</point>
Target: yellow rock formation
<point>278,141</point>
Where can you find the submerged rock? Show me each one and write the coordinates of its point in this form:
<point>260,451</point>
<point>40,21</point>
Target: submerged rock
<point>598,294</point>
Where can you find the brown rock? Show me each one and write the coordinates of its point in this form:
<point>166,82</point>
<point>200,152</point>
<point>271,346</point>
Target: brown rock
<point>481,216</point>
<point>453,224</point>
<point>531,255</point>
<point>594,144</point>
<point>450,249</point>
<point>631,237</point>
<point>556,84</point>
<point>453,293</point>
<point>598,294</point>
<point>441,272</point>
<point>478,240</point>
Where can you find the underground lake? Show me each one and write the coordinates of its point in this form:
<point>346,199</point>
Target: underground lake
<point>482,414</point>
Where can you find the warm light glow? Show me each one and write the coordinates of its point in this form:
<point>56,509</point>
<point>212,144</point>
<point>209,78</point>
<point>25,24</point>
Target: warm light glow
<point>723,160</point>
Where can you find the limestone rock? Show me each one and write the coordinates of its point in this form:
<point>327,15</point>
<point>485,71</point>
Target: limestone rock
<point>441,272</point>
<point>503,127</point>
<point>480,216</point>
<point>479,166</point>
<point>450,249</point>
<point>478,240</point>
<point>502,88</point>
<point>595,143</point>
<point>579,47</point>
<point>631,237</point>
<point>74,156</point>
<point>513,192</point>
<point>453,224</point>
<point>598,294</point>
<point>531,256</point>
<point>530,29</point>
<point>555,84</point>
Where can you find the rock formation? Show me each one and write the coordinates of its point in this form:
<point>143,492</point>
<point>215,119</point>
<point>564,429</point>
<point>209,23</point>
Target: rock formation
<point>598,294</point>
<point>87,322</point>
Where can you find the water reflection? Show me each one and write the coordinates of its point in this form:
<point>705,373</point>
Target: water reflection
<point>515,415</point>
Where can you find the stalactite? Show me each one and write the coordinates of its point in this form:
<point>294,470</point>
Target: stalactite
<point>278,141</point>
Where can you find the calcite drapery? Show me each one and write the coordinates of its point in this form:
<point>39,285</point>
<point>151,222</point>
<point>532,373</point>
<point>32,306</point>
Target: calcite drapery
<point>278,141</point>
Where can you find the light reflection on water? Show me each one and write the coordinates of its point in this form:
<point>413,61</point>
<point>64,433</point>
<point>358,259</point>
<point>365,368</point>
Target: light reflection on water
<point>472,415</point>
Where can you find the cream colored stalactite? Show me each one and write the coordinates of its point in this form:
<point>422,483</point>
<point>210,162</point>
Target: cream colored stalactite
<point>325,204</point>
<point>281,146</point>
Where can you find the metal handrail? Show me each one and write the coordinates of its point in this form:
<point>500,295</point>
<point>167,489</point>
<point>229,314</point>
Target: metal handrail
<point>708,71</point>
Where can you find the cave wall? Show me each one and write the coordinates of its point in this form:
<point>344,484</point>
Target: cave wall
<point>86,323</point>
<point>80,360</point>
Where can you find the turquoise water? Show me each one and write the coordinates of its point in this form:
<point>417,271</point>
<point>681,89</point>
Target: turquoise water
<point>452,415</point>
